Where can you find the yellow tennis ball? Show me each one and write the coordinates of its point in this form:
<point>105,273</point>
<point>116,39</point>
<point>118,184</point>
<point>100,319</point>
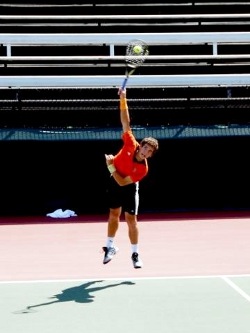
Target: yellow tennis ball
<point>137,49</point>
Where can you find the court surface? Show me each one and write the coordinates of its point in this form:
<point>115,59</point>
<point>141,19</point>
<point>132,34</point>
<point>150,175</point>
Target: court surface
<point>196,275</point>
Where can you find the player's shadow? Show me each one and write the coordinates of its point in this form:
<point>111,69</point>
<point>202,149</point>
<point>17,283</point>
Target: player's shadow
<point>80,294</point>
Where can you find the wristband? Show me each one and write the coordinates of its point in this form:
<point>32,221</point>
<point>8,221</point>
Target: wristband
<point>111,168</point>
<point>123,104</point>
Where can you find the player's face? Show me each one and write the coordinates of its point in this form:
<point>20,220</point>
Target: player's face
<point>145,151</point>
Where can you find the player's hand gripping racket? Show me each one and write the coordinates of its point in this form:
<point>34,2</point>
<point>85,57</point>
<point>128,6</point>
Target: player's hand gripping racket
<point>136,53</point>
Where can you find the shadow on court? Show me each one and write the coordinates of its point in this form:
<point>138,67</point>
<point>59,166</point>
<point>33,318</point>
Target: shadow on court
<point>79,294</point>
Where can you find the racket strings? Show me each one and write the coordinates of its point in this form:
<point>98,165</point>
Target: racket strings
<point>134,59</point>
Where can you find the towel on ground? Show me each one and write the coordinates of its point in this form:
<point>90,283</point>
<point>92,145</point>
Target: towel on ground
<point>59,213</point>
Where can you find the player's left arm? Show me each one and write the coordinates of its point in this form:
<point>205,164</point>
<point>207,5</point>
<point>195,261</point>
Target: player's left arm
<point>122,181</point>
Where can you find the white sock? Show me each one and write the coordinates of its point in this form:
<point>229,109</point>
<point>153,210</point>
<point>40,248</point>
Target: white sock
<point>134,248</point>
<point>110,242</point>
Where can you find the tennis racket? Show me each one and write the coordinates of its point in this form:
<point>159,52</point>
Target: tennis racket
<point>136,53</point>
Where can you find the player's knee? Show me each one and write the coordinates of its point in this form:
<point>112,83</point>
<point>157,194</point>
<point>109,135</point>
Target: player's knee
<point>114,213</point>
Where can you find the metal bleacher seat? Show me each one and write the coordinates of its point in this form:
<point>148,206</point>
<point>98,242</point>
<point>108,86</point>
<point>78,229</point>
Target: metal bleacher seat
<point>122,17</point>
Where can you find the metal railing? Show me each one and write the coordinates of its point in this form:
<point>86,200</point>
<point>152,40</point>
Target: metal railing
<point>112,41</point>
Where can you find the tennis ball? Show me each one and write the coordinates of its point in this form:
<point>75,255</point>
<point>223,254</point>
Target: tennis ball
<point>137,49</point>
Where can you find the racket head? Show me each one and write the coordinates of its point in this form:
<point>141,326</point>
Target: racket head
<point>134,59</point>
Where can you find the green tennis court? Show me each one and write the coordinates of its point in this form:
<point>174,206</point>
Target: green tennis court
<point>195,305</point>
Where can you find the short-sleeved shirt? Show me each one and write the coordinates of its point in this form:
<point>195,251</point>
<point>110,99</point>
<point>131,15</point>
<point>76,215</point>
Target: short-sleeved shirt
<point>125,161</point>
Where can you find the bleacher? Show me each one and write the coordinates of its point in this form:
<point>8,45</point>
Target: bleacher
<point>60,68</point>
<point>63,57</point>
<point>122,17</point>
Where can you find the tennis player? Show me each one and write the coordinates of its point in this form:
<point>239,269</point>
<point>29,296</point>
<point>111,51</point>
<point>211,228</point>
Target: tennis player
<point>127,168</point>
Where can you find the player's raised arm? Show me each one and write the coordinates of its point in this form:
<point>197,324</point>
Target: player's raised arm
<point>124,113</point>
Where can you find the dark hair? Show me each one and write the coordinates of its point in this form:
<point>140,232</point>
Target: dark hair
<point>152,142</point>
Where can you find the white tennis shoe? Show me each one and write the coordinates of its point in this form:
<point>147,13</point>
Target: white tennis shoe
<point>137,262</point>
<point>109,253</point>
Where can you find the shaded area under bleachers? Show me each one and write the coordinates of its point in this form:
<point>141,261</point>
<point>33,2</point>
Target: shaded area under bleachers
<point>87,109</point>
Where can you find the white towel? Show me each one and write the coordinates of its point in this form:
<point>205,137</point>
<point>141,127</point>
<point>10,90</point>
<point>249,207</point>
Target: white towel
<point>59,213</point>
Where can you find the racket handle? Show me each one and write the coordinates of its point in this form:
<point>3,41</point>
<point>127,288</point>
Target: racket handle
<point>124,83</point>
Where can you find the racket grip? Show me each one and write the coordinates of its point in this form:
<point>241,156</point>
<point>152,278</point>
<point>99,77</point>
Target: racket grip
<point>124,83</point>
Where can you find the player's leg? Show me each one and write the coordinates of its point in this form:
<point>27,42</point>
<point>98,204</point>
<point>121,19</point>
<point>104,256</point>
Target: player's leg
<point>114,204</point>
<point>113,224</point>
<point>133,232</point>
<point>131,205</point>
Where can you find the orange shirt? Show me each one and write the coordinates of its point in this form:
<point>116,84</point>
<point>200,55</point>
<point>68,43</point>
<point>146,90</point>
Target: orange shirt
<point>125,162</point>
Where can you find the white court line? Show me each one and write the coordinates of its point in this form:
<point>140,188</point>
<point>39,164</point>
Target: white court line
<point>236,288</point>
<point>225,277</point>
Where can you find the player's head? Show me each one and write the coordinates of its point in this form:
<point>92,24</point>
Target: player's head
<point>151,143</point>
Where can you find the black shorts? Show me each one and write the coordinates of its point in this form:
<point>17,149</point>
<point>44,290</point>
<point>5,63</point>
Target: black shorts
<point>126,197</point>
